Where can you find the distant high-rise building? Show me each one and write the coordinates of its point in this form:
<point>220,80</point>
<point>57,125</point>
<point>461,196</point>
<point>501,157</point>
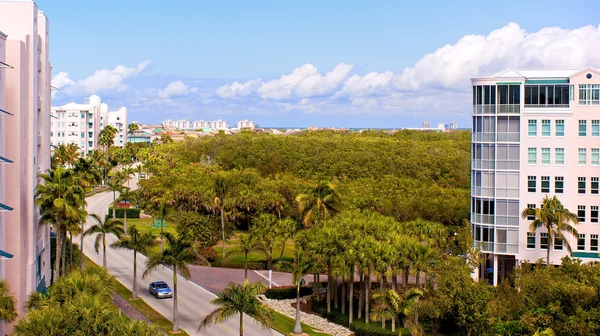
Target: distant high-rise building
<point>246,124</point>
<point>426,124</point>
<point>453,125</point>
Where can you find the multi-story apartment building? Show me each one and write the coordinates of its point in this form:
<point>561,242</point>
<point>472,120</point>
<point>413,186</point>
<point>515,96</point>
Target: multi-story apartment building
<point>26,139</point>
<point>219,124</point>
<point>77,124</point>
<point>118,120</point>
<point>535,133</point>
<point>246,124</point>
<point>185,125</point>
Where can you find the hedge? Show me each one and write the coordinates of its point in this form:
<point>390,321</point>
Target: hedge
<point>131,212</point>
<point>286,293</point>
<point>360,328</point>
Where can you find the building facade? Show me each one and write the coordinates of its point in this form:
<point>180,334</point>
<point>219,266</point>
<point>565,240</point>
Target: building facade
<point>118,120</point>
<point>535,133</point>
<point>185,125</point>
<point>246,124</point>
<point>77,124</point>
<point>26,143</point>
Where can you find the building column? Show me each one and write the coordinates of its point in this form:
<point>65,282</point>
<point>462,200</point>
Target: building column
<point>495,274</point>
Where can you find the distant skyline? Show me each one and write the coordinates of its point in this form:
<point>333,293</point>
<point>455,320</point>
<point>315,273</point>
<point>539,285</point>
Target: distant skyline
<point>385,64</point>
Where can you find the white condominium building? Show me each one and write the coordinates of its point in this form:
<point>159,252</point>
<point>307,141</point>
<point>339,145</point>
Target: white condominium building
<point>535,133</point>
<point>118,120</point>
<point>246,124</point>
<point>185,125</point>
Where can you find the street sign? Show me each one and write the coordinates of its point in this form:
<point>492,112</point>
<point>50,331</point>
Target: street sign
<point>124,205</point>
<point>159,223</point>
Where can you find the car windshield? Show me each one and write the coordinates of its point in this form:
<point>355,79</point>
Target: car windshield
<point>161,285</point>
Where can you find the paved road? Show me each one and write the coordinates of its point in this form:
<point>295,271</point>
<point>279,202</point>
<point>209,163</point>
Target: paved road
<point>194,301</point>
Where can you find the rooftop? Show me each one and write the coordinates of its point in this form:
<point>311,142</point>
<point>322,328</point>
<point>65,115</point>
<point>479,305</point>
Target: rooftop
<point>537,73</point>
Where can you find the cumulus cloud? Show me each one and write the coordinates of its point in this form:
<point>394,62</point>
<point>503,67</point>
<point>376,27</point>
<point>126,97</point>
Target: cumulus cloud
<point>305,81</point>
<point>176,89</point>
<point>100,81</point>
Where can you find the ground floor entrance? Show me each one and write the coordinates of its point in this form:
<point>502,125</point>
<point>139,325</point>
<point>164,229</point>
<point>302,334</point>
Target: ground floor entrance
<point>496,268</point>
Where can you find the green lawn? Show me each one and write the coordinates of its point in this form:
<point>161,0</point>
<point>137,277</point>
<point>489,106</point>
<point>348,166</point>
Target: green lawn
<point>145,225</point>
<point>236,260</point>
<point>285,325</point>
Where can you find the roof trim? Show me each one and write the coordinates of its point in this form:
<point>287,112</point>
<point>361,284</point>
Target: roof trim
<point>588,69</point>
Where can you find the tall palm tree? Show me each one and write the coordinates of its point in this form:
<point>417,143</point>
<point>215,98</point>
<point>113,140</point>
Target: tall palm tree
<point>103,228</point>
<point>125,196</point>
<point>219,192</point>
<point>136,242</point>
<point>161,211</point>
<point>87,172</point>
<point>132,128</point>
<point>555,218</point>
<point>115,185</point>
<point>247,244</point>
<point>8,304</point>
<point>178,255</point>
<point>239,299</point>
<point>392,305</point>
<point>59,198</point>
<point>318,203</point>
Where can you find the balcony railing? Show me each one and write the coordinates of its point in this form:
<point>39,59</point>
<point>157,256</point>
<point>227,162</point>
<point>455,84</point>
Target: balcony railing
<point>484,137</point>
<point>507,165</point>
<point>507,193</point>
<point>484,109</point>
<point>482,219</point>
<point>509,108</point>
<point>483,191</point>
<point>544,106</point>
<point>508,136</point>
<point>507,248</point>
<point>485,246</point>
<point>483,164</point>
<point>507,220</point>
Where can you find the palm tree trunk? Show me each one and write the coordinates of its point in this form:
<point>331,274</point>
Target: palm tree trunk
<point>394,280</point>
<point>81,248</point>
<point>343,295</point>
<point>550,242</point>
<point>114,205</point>
<point>223,232</point>
<point>270,258</point>
<point>175,312</point>
<point>328,287</point>
<point>64,254</point>
<point>71,252</point>
<point>334,287</point>
<point>381,287</point>
<point>351,296</point>
<point>361,294</point>
<point>282,249</point>
<point>298,326</point>
<point>245,266</point>
<point>241,324</point>
<point>104,250</point>
<point>134,293</point>
<point>367,290</point>
<point>406,271</point>
<point>417,277</point>
<point>125,220</point>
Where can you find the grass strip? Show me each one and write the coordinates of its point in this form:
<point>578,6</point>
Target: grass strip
<point>285,325</point>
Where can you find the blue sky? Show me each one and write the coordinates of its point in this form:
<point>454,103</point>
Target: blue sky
<point>390,63</point>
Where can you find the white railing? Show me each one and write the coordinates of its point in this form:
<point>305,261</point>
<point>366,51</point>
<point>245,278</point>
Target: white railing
<point>483,164</point>
<point>485,246</point>
<point>508,136</point>
<point>507,165</point>
<point>484,136</point>
<point>507,220</point>
<point>507,248</point>
<point>484,109</point>
<point>509,108</point>
<point>483,191</point>
<point>482,219</point>
<point>507,193</point>
<point>563,106</point>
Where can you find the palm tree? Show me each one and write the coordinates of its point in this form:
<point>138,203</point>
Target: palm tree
<point>178,255</point>
<point>318,203</point>
<point>8,310</point>
<point>115,185</point>
<point>125,196</point>
<point>161,211</point>
<point>136,242</point>
<point>555,218</point>
<point>103,228</point>
<point>132,128</point>
<point>59,198</point>
<point>239,299</point>
<point>392,305</point>
<point>247,244</point>
<point>219,192</point>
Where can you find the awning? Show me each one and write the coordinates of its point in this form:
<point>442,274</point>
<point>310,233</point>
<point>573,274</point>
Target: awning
<point>4,207</point>
<point>4,65</point>
<point>5,112</point>
<point>4,160</point>
<point>5,255</point>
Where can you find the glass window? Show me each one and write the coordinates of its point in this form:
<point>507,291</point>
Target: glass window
<point>531,184</point>
<point>545,127</point>
<point>582,127</point>
<point>595,128</point>
<point>546,156</point>
<point>545,184</point>
<point>558,244</point>
<point>559,184</point>
<point>514,94</point>
<point>594,186</point>
<point>559,128</point>
<point>581,213</point>
<point>581,156</point>
<point>530,240</point>
<point>595,160</point>
<point>532,155</point>
<point>589,94</point>
<point>543,241</point>
<point>593,242</point>
<point>532,128</point>
<point>581,185</point>
<point>531,95</point>
<point>594,214</point>
<point>531,217</point>
<point>502,94</point>
<point>559,156</point>
<point>581,242</point>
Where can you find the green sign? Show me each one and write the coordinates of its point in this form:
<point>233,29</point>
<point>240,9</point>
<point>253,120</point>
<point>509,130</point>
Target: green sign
<point>159,223</point>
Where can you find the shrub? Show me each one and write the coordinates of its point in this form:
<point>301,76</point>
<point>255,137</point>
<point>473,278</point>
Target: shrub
<point>511,328</point>
<point>287,292</point>
<point>131,212</point>
<point>360,328</point>
<point>209,253</point>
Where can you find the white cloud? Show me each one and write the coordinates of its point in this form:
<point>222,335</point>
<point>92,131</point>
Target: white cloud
<point>305,81</point>
<point>99,81</point>
<point>176,89</point>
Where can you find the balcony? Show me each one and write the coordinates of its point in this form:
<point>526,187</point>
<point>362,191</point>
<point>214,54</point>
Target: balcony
<point>507,248</point>
<point>509,109</point>
<point>484,137</point>
<point>485,246</point>
<point>546,106</point>
<point>507,165</point>
<point>483,164</point>
<point>508,137</point>
<point>507,193</point>
<point>484,109</point>
<point>507,220</point>
<point>482,219</point>
<point>482,191</point>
